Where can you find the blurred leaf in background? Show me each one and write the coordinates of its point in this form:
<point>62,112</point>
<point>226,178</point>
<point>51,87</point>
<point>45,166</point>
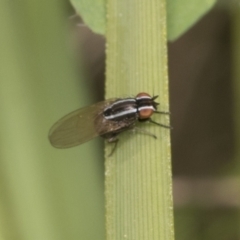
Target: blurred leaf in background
<point>93,13</point>
<point>181,15</point>
<point>46,193</point>
<point>205,139</point>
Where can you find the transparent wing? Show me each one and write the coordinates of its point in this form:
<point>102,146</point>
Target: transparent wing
<point>79,126</point>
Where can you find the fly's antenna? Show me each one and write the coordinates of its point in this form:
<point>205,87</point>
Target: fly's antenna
<point>154,97</point>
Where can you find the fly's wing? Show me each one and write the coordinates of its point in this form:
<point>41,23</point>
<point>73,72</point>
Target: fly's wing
<point>106,128</point>
<point>79,126</point>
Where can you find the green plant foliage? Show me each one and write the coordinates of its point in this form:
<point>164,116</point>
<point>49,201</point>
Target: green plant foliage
<point>46,193</point>
<point>181,15</point>
<point>138,175</point>
<point>93,13</point>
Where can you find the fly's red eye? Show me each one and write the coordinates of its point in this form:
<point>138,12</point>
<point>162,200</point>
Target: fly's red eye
<point>145,105</point>
<point>143,94</point>
<point>145,112</point>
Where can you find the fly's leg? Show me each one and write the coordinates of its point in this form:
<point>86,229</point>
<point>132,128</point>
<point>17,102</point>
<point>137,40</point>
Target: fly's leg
<point>114,140</point>
<point>159,124</point>
<point>145,132</point>
<point>162,112</point>
<point>111,138</point>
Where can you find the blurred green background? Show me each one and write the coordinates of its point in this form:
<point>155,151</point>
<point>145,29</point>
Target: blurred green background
<point>204,89</point>
<point>52,64</point>
<point>46,193</point>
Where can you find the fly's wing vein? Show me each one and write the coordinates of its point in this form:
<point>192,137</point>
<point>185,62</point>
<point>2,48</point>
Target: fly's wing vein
<point>79,126</point>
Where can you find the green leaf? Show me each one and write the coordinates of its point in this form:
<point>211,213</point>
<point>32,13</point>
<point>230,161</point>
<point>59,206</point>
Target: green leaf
<point>182,15</point>
<point>93,13</point>
<point>138,185</point>
<point>46,193</point>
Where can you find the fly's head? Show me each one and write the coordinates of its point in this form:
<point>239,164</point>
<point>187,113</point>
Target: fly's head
<point>146,106</point>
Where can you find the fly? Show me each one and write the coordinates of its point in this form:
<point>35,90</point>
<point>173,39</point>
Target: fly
<point>106,119</point>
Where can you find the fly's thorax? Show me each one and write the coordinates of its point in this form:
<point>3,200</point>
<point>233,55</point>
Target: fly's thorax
<point>121,109</point>
<point>142,107</point>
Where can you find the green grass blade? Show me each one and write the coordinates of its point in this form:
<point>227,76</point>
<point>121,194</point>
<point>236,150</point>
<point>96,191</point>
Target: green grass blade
<point>181,15</point>
<point>138,175</point>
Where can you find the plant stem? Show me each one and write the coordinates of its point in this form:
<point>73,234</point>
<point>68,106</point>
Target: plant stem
<point>138,185</point>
